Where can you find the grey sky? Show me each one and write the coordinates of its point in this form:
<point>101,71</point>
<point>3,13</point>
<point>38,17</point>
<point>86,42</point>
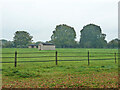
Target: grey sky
<point>40,17</point>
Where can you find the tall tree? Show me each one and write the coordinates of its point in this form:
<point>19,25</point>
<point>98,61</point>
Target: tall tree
<point>22,39</point>
<point>92,37</point>
<point>63,36</point>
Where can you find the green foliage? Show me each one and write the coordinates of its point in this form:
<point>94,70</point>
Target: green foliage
<point>6,44</point>
<point>3,41</point>
<point>38,42</point>
<point>22,39</point>
<point>63,36</point>
<point>113,43</point>
<point>91,37</point>
<point>48,41</point>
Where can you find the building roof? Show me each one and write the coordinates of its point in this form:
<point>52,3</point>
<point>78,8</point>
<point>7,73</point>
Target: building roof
<point>32,45</point>
<point>47,43</point>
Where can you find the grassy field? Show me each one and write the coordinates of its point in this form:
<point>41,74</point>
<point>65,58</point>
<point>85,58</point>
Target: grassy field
<point>67,74</point>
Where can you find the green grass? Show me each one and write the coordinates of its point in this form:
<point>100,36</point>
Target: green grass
<point>67,74</point>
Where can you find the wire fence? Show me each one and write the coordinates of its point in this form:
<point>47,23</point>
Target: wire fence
<point>19,57</point>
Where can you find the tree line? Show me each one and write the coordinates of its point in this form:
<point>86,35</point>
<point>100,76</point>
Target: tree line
<point>64,37</point>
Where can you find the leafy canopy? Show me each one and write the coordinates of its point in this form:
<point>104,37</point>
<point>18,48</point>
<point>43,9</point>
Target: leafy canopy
<point>92,37</point>
<point>22,39</point>
<point>63,36</point>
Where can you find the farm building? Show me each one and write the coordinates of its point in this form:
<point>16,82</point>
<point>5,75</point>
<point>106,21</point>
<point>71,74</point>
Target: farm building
<point>32,46</point>
<point>46,46</point>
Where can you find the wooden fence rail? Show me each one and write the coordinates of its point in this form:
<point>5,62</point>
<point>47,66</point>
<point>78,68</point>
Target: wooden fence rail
<point>88,55</point>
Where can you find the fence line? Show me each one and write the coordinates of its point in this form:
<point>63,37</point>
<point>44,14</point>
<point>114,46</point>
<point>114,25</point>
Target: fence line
<point>56,55</point>
<point>57,60</point>
<point>61,52</point>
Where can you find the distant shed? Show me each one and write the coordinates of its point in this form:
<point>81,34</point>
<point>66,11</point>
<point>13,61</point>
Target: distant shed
<point>32,46</point>
<point>46,46</point>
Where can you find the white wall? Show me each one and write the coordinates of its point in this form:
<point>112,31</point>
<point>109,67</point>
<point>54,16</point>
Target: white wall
<point>46,47</point>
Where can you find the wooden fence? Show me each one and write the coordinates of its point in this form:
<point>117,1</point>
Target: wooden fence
<point>114,55</point>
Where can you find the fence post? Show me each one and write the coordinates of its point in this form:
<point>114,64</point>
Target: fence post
<point>56,57</point>
<point>115,57</point>
<point>15,58</point>
<point>88,59</point>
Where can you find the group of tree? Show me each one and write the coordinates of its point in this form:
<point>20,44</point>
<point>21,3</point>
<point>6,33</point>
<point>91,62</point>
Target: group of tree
<point>115,43</point>
<point>6,44</point>
<point>91,37</point>
<point>64,37</point>
<point>21,39</point>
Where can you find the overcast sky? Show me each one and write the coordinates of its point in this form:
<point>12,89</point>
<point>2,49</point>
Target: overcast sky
<point>40,17</point>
